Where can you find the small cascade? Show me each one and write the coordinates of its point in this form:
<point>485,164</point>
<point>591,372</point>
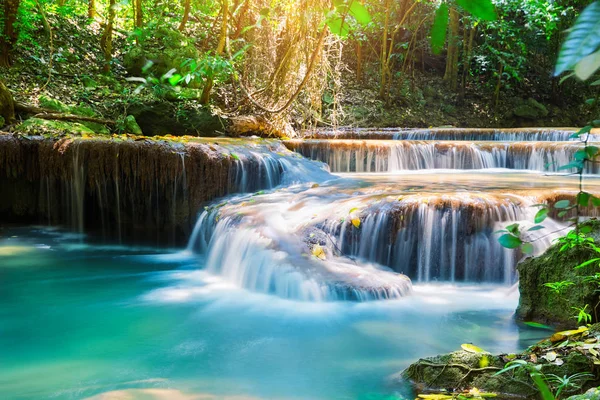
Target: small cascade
<point>271,259</point>
<point>455,134</point>
<point>440,237</point>
<point>388,156</point>
<point>440,233</point>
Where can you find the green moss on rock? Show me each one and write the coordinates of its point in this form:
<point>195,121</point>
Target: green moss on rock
<point>53,104</point>
<point>37,126</point>
<point>538,303</point>
<point>592,394</point>
<point>531,109</point>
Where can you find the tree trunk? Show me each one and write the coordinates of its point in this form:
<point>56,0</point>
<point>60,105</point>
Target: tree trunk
<point>91,9</point>
<point>139,16</point>
<point>204,99</point>
<point>467,60</point>
<point>384,40</point>
<point>7,105</point>
<point>106,39</point>
<point>186,15</point>
<point>451,74</point>
<point>9,34</point>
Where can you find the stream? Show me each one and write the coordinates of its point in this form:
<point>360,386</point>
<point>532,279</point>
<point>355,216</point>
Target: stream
<point>355,262</point>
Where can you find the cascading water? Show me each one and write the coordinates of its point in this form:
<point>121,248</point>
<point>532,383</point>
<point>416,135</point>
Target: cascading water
<point>389,156</point>
<point>454,134</point>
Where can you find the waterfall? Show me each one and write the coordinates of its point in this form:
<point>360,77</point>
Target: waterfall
<point>388,156</point>
<point>455,134</point>
<point>264,260</point>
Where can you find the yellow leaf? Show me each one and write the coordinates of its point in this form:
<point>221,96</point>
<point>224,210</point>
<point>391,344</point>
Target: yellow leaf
<point>558,336</point>
<point>356,222</point>
<point>484,361</point>
<point>472,348</point>
<point>318,252</point>
<point>352,210</point>
<point>435,396</point>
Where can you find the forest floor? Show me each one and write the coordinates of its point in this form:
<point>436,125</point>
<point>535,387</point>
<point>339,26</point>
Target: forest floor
<point>68,70</point>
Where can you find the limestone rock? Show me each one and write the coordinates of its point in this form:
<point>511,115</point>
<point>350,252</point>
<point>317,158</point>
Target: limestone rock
<point>537,303</point>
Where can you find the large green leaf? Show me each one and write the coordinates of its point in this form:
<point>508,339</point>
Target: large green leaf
<point>585,68</point>
<point>359,12</point>
<point>439,28</point>
<point>482,9</point>
<point>338,27</point>
<point>509,241</point>
<point>583,39</point>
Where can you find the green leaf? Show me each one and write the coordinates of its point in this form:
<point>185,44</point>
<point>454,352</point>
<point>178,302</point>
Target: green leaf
<point>359,12</point>
<point>338,27</point>
<point>585,68</point>
<point>583,199</point>
<point>595,201</point>
<point>439,28</point>
<point>482,9</point>
<point>535,228</point>
<point>527,248</point>
<point>572,164</point>
<point>541,215</point>
<point>538,325</point>
<point>545,391</point>
<point>583,39</point>
<point>562,204</point>
<point>585,229</point>
<point>174,79</point>
<point>513,228</point>
<point>509,241</point>
<point>588,262</point>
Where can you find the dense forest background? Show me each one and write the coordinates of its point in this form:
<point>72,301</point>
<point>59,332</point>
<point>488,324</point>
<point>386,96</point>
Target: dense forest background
<point>186,67</point>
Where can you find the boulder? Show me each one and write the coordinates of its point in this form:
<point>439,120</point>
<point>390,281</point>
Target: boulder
<point>538,303</point>
<point>530,109</point>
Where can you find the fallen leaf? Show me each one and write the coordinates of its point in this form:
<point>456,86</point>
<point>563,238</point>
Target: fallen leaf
<point>318,252</point>
<point>472,348</point>
<point>356,222</point>
<point>550,356</point>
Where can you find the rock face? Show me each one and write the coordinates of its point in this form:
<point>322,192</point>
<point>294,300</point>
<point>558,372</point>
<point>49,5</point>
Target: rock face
<point>140,190</point>
<point>538,303</point>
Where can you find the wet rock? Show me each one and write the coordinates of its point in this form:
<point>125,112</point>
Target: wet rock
<point>530,109</point>
<point>462,370</point>
<point>538,303</point>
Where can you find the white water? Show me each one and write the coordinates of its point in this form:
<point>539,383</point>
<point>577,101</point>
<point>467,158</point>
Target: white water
<point>389,156</point>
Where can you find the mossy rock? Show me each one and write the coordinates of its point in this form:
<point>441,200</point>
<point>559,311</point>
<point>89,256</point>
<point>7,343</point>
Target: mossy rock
<point>37,126</point>
<point>462,370</point>
<point>162,118</point>
<point>538,303</point>
<point>531,109</point>
<point>53,104</point>
<point>165,49</point>
<point>592,394</point>
<point>131,126</point>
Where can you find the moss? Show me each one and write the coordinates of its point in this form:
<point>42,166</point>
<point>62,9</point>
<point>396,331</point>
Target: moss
<point>538,303</point>
<point>53,104</point>
<point>531,109</point>
<point>131,126</point>
<point>592,394</point>
<point>2,121</point>
<point>38,126</point>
